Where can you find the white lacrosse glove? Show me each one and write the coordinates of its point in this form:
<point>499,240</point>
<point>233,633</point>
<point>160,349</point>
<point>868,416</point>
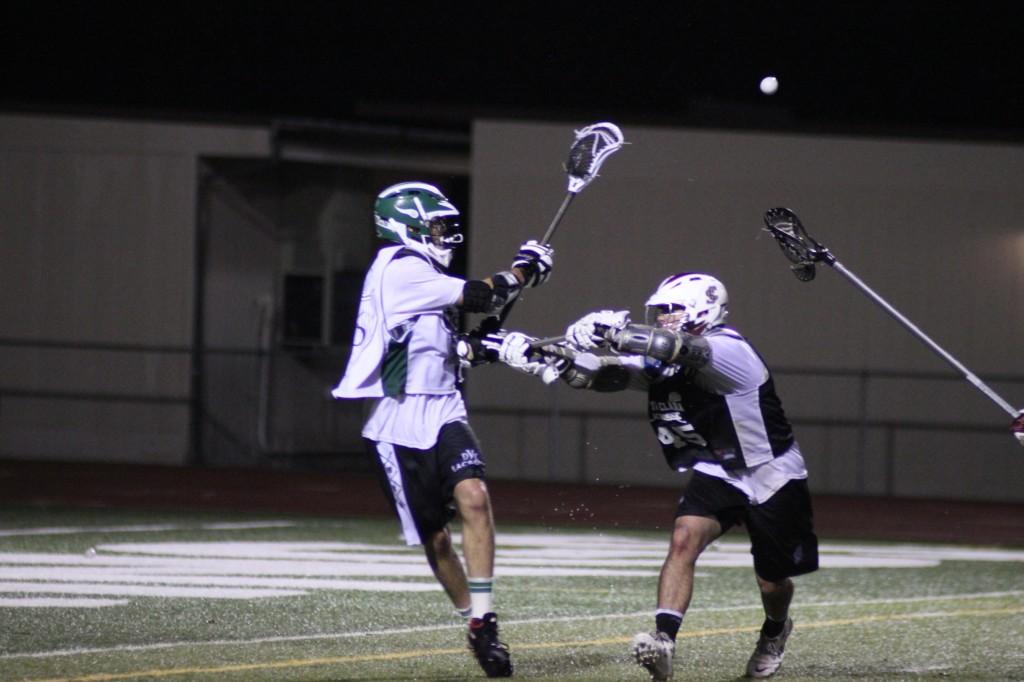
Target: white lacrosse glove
<point>591,331</point>
<point>536,261</point>
<point>517,353</point>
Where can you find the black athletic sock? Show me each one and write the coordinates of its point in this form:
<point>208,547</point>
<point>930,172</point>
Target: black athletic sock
<point>668,623</point>
<point>772,628</point>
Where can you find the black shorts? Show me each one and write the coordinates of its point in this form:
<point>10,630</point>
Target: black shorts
<point>781,529</point>
<point>420,484</point>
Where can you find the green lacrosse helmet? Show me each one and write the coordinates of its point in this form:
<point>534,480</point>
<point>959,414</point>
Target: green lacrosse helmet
<point>419,216</point>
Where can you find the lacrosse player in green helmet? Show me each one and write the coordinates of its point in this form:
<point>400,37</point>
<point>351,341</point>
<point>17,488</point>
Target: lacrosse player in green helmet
<point>405,362</point>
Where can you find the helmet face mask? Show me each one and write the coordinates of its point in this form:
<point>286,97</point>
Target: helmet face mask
<point>691,302</point>
<point>419,216</point>
<point>668,316</point>
<point>444,231</point>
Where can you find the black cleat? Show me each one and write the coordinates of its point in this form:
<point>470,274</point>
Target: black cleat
<point>491,653</point>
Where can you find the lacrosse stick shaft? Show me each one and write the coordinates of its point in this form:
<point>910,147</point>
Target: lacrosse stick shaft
<point>550,341</point>
<point>556,351</point>
<point>592,146</point>
<point>978,383</point>
<point>546,239</point>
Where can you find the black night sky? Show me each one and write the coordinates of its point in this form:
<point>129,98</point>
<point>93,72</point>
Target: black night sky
<point>914,68</point>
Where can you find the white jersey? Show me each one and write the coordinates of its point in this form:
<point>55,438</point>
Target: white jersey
<point>403,350</point>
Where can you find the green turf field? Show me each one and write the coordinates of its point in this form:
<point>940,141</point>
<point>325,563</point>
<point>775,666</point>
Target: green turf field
<point>105,595</point>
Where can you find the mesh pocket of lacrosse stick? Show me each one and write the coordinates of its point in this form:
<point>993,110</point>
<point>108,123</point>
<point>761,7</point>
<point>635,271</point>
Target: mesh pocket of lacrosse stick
<point>593,145</point>
<point>798,246</point>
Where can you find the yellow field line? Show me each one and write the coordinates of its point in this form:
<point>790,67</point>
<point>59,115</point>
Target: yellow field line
<point>334,660</point>
<point>577,590</point>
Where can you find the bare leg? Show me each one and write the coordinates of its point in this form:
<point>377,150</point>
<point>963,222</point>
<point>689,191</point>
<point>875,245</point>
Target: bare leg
<point>691,535</point>
<point>474,505</point>
<point>445,564</point>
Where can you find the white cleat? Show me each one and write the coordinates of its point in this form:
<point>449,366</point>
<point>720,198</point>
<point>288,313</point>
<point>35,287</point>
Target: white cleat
<point>654,651</point>
<point>767,657</point>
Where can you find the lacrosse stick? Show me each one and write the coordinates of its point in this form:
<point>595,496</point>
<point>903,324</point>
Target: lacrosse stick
<point>549,341</point>
<point>804,251</point>
<point>565,356</point>
<point>593,144</point>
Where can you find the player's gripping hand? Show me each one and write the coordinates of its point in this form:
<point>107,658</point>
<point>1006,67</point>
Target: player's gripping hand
<point>536,261</point>
<point>592,330</point>
<point>1017,427</point>
<point>491,344</point>
<point>479,347</point>
<point>517,352</point>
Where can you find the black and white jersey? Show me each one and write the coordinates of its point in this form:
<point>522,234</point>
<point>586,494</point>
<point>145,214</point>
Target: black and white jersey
<point>723,419</point>
<point>726,412</point>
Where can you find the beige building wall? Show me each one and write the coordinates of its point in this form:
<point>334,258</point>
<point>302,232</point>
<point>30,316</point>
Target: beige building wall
<point>97,242</point>
<point>97,246</point>
<point>934,227</point>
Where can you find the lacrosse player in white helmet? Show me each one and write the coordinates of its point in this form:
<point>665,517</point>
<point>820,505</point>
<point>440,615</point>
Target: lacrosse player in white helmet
<point>713,407</point>
<point>405,362</point>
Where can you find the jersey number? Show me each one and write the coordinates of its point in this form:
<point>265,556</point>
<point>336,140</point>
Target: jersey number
<point>680,436</point>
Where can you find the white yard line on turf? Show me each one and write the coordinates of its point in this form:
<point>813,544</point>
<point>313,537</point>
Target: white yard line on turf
<point>59,602</point>
<point>506,624</point>
<point>142,528</point>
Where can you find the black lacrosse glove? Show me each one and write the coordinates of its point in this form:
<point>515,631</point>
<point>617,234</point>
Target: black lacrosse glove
<point>536,261</point>
<point>479,346</point>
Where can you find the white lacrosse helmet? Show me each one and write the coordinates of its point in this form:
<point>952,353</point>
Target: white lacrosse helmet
<point>689,301</point>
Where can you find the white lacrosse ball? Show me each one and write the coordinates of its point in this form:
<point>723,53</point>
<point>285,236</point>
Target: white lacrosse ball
<point>769,84</point>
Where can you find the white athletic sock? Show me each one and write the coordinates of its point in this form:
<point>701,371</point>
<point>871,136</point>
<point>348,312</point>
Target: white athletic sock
<point>671,612</point>
<point>481,595</point>
<point>466,612</point>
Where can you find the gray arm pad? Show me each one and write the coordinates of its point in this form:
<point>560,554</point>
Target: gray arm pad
<point>597,372</point>
<point>663,344</point>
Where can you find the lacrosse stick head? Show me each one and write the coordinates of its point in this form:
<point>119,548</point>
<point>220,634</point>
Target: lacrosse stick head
<point>593,145</point>
<point>799,247</point>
